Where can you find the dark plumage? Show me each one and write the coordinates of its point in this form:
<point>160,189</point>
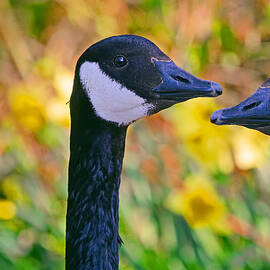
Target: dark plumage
<point>117,81</point>
<point>253,113</point>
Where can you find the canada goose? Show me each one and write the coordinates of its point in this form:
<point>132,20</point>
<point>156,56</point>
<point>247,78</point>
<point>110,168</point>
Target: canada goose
<point>117,81</point>
<point>253,113</point>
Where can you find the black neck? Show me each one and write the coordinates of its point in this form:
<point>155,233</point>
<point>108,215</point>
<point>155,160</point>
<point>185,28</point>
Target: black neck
<point>96,154</point>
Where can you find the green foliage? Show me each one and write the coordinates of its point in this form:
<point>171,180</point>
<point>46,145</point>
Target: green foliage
<point>177,165</point>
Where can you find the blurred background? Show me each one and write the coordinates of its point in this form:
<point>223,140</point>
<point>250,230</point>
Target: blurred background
<point>193,195</point>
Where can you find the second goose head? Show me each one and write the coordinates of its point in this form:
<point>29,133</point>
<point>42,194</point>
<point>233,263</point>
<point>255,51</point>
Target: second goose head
<point>253,113</point>
<point>127,77</point>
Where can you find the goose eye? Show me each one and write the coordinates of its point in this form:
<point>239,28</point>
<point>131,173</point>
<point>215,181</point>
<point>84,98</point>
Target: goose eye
<point>120,61</point>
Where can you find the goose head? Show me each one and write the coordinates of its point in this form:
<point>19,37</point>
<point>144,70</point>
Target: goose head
<point>124,78</point>
<point>253,113</point>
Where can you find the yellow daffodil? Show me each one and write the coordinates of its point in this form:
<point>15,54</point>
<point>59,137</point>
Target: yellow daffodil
<point>58,109</point>
<point>27,110</point>
<point>7,209</point>
<point>217,147</point>
<point>58,112</point>
<point>250,148</point>
<point>12,189</point>
<point>63,83</point>
<point>200,204</point>
<point>205,142</point>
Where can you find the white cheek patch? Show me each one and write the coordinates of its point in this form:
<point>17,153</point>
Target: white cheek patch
<point>111,101</point>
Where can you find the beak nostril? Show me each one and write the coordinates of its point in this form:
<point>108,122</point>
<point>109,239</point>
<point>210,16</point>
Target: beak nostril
<point>219,91</point>
<point>217,88</point>
<point>252,105</point>
<point>213,119</point>
<point>180,79</point>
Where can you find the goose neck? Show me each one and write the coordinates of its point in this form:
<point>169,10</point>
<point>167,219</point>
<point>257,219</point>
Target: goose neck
<point>92,239</point>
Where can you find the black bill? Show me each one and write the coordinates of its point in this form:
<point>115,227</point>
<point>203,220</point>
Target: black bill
<point>179,85</point>
<point>253,113</point>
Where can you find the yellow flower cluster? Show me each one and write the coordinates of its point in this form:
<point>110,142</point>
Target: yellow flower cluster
<point>204,142</point>
<point>26,109</point>
<point>7,209</point>
<point>200,204</point>
<point>12,190</point>
<point>217,147</point>
<point>58,109</point>
<point>34,103</point>
<point>250,148</point>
